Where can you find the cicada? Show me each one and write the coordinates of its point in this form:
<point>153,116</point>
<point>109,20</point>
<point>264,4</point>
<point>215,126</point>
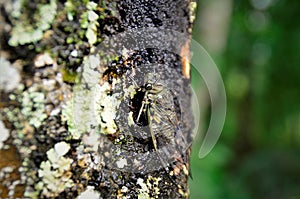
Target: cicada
<point>153,106</point>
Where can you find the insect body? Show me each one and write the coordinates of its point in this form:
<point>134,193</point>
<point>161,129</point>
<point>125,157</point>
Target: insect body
<point>153,106</point>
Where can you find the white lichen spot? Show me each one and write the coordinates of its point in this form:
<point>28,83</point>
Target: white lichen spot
<point>91,34</point>
<point>61,148</point>
<point>49,84</point>
<point>130,118</point>
<point>124,189</point>
<point>125,52</point>
<point>9,76</point>
<point>121,163</point>
<point>89,193</point>
<point>92,16</point>
<point>91,5</point>
<point>74,53</point>
<point>90,75</point>
<point>143,191</point>
<point>91,139</point>
<point>42,60</point>
<point>4,134</point>
<point>106,154</point>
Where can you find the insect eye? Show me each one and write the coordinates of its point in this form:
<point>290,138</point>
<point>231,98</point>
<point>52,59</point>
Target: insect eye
<point>148,86</point>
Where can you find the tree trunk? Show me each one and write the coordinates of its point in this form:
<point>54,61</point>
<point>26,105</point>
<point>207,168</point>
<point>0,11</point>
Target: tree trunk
<point>95,99</point>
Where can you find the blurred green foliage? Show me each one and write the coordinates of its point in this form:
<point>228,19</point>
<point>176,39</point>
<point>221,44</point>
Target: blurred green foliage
<point>257,155</point>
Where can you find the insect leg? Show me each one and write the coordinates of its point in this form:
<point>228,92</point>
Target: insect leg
<point>151,130</point>
<point>140,112</point>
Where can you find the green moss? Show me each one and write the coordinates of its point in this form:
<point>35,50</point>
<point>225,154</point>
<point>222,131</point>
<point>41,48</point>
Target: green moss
<point>69,76</point>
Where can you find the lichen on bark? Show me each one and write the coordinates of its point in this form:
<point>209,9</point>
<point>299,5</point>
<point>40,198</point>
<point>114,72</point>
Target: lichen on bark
<point>70,117</point>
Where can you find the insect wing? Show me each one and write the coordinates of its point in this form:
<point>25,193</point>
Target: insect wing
<point>166,127</point>
<point>163,118</point>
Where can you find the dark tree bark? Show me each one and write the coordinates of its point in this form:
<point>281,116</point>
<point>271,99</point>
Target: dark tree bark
<point>95,99</point>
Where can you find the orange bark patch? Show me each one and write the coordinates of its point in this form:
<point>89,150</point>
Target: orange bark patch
<point>11,158</point>
<point>185,59</point>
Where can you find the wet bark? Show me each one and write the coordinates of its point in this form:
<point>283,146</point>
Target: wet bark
<point>78,118</point>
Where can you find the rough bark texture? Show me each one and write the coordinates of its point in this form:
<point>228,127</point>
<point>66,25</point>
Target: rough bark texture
<point>70,95</point>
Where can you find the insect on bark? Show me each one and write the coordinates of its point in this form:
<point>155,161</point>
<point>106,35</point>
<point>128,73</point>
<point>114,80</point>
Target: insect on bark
<point>153,106</point>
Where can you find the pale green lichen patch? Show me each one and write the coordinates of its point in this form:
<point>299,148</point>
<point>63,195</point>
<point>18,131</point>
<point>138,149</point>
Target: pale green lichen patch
<point>91,107</point>
<point>90,193</point>
<point>55,172</point>
<point>71,10</point>
<point>90,74</point>
<point>24,32</point>
<point>31,113</point>
<point>68,116</point>
<point>192,9</point>
<point>121,163</point>
<point>34,107</point>
<point>90,23</point>
<point>77,112</point>
<point>107,106</point>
